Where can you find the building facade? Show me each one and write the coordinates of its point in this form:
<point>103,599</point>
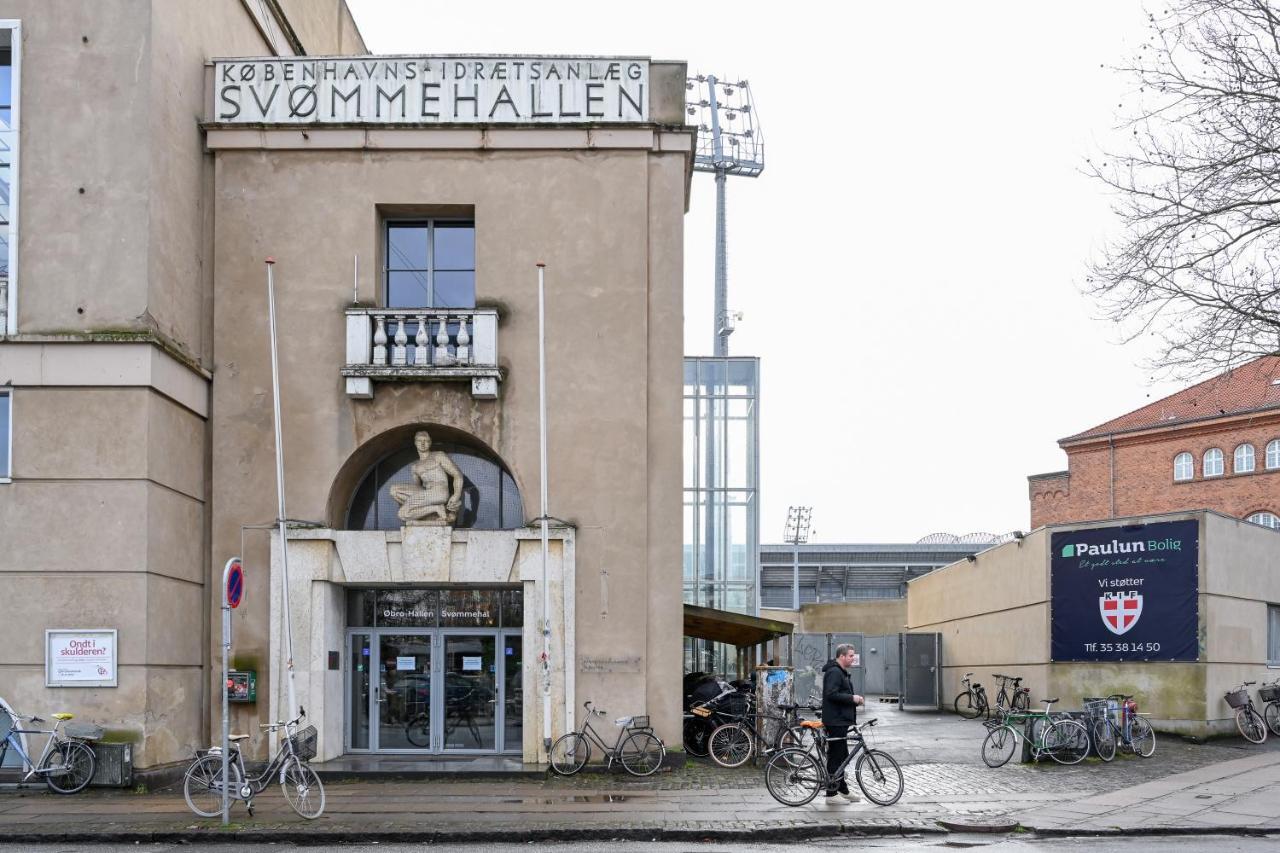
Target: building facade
<point>1215,445</point>
<point>405,202</point>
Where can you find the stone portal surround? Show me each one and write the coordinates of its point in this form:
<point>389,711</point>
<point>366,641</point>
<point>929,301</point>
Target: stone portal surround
<point>323,562</point>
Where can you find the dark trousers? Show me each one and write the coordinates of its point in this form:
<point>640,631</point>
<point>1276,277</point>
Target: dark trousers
<point>837,752</point>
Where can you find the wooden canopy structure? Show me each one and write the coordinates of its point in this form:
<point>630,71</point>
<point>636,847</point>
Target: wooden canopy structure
<point>757,640</point>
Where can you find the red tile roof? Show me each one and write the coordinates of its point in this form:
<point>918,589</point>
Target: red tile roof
<point>1248,388</point>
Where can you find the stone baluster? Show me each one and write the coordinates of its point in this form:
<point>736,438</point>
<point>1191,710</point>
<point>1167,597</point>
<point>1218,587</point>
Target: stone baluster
<point>380,340</point>
<point>420,342</point>
<point>399,353</point>
<point>442,343</point>
<point>463,351</point>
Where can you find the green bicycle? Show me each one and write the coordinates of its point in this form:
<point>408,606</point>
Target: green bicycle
<point>1064,740</point>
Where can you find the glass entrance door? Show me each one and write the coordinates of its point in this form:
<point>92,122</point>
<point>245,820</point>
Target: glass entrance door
<point>404,691</point>
<point>470,712</point>
<point>512,692</point>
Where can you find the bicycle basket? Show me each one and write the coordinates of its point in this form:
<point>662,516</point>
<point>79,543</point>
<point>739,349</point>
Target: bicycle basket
<point>1096,709</point>
<point>1238,698</point>
<point>639,722</point>
<point>304,743</point>
<point>1269,692</point>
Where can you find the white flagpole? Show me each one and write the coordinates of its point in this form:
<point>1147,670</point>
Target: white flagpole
<point>542,437</point>
<point>280,520</point>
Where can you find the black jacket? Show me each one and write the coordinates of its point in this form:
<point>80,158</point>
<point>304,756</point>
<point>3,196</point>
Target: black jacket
<point>837,696</point>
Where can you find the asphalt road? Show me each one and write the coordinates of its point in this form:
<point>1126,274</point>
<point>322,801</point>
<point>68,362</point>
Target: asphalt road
<point>997,844</point>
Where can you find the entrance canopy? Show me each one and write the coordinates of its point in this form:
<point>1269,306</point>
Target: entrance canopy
<point>752,635</point>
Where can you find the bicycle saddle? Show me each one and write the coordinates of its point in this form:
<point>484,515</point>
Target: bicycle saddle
<point>1050,701</point>
<point>234,738</point>
<point>810,724</point>
<point>62,715</point>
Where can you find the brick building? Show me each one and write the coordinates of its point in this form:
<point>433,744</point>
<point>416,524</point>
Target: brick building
<point>1215,445</point>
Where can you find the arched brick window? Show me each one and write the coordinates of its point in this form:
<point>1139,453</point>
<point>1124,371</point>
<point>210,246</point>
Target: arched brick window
<point>1266,519</point>
<point>1243,461</point>
<point>1273,454</point>
<point>1213,462</point>
<point>1184,467</point>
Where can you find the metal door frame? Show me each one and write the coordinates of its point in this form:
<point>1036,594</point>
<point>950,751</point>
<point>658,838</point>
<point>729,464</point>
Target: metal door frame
<point>346,694</point>
<point>503,633</point>
<point>437,684</point>
<point>375,718</point>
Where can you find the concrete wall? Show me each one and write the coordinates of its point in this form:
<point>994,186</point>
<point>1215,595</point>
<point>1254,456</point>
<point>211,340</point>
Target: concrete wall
<point>609,226</point>
<point>325,27</point>
<point>994,617</point>
<point>880,616</point>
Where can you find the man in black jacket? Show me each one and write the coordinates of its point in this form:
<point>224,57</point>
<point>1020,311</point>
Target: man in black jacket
<point>839,711</point>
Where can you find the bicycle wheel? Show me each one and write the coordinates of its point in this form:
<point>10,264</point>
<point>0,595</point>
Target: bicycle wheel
<point>418,730</point>
<point>731,745</point>
<point>1272,716</point>
<point>641,753</point>
<point>302,788</point>
<point>1104,740</point>
<point>1250,724</point>
<point>696,733</point>
<point>879,777</point>
<point>1066,741</point>
<point>966,706</point>
<point>202,785</point>
<point>1142,738</point>
<point>794,777</point>
<point>998,746</point>
<point>69,767</point>
<point>799,738</point>
<point>570,753</point>
<point>1021,701</point>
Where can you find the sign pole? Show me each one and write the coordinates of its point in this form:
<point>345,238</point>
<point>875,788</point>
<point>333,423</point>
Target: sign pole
<point>542,435</point>
<point>233,563</point>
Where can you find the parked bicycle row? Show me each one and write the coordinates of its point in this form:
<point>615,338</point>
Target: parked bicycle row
<point>1105,726</point>
<point>1251,722</point>
<point>972,702</point>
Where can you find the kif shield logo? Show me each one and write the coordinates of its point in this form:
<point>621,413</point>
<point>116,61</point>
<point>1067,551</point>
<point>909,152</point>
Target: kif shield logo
<point>1125,593</point>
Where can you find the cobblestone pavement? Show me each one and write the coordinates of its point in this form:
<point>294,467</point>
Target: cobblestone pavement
<point>944,780</point>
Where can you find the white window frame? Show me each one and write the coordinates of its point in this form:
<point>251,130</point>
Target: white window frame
<point>1273,642</point>
<point>7,450</point>
<point>1190,460</point>
<point>1245,452</point>
<point>1273,454</point>
<point>1218,458</point>
<point>15,78</point>
<point>1265,518</point>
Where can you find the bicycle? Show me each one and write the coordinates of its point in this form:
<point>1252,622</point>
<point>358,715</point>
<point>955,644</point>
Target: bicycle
<point>705,717</point>
<point>1066,741</point>
<point>1248,720</point>
<point>1133,732</point>
<point>67,764</point>
<point>733,743</point>
<point>972,703</point>
<point>1270,693</point>
<point>1018,698</point>
<point>795,776</point>
<point>637,748</point>
<point>202,786</point>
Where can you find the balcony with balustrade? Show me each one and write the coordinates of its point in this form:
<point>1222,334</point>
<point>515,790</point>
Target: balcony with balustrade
<point>422,345</point>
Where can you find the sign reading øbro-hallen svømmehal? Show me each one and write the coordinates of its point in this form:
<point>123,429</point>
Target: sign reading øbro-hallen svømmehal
<point>431,90</point>
<point>1125,593</point>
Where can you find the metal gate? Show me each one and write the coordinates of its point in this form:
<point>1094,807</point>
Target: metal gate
<point>811,652</point>
<point>921,671</point>
<point>880,663</point>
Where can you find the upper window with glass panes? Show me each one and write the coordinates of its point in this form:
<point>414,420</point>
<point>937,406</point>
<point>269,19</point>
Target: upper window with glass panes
<point>431,263</point>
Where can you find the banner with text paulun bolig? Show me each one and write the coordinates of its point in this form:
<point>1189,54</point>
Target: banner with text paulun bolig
<point>1123,593</point>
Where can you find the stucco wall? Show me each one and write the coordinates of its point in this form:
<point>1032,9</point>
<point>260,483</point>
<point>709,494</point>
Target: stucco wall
<point>881,616</point>
<point>608,225</point>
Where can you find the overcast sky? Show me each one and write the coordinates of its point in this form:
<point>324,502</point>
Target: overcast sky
<point>909,262</point>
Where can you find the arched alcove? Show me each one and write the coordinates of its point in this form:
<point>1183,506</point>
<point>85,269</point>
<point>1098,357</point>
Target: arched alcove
<point>360,498</point>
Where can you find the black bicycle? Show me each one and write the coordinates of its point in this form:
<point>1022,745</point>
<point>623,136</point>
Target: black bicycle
<point>795,776</point>
<point>1270,693</point>
<point>703,718</point>
<point>637,748</point>
<point>1248,720</point>
<point>1133,732</point>
<point>1012,694</point>
<point>203,784</point>
<point>734,742</point>
<point>972,703</point>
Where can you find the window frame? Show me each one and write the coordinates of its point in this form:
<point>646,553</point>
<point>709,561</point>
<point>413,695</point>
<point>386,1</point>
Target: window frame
<point>1273,639</point>
<point>6,452</point>
<point>15,125</point>
<point>1191,466</point>
<point>1221,460</point>
<point>1272,452</point>
<point>428,222</point>
<point>1235,459</point>
<point>1254,515</point>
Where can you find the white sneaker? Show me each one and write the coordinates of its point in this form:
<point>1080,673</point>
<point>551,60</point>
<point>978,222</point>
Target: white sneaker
<point>852,797</point>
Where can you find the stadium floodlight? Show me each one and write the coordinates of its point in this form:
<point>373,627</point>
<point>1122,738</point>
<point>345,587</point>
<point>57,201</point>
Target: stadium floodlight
<point>729,143</point>
<point>797,530</point>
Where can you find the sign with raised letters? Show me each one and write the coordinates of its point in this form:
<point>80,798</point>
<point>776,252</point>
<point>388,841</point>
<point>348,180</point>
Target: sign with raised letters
<point>418,90</point>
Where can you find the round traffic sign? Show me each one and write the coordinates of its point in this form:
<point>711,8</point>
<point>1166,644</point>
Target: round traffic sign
<point>235,583</point>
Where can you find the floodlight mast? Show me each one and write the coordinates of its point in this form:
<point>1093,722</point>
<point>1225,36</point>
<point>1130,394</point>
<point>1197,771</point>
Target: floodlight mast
<point>719,114</point>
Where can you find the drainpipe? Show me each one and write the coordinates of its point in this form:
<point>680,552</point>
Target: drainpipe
<point>1111,444</point>
<point>542,438</point>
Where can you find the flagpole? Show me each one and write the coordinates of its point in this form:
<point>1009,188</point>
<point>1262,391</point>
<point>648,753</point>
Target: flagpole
<point>280,520</point>
<point>542,440</point>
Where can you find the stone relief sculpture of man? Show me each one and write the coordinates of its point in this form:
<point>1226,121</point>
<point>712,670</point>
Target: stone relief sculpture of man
<point>434,496</point>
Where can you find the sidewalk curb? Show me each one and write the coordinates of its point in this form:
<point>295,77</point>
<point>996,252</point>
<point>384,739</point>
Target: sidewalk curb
<point>512,834</point>
<point>1146,831</point>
